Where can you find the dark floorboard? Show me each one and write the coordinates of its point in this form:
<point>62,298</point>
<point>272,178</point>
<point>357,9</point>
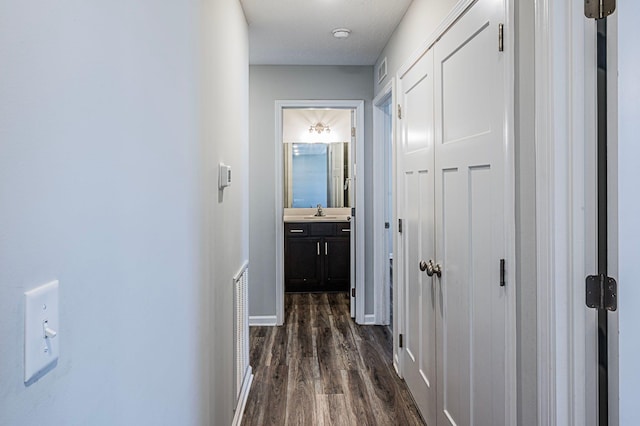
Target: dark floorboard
<point>321,368</point>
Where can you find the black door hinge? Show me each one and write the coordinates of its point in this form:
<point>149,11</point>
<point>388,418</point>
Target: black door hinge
<point>353,212</point>
<point>353,292</point>
<point>601,292</point>
<point>503,281</point>
<point>386,225</point>
<point>400,226</point>
<point>400,343</point>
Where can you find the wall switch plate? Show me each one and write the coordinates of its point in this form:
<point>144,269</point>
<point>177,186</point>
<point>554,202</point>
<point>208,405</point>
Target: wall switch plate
<point>41,341</point>
<point>224,176</point>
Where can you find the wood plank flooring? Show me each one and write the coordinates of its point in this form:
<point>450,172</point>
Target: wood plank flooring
<point>320,368</point>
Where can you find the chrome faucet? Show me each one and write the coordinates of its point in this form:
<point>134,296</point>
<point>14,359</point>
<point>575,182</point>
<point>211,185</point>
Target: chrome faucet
<point>319,212</point>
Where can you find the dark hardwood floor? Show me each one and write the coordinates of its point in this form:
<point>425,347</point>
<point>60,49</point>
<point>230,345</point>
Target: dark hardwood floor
<point>321,368</point>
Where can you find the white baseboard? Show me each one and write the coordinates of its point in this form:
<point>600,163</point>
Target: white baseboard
<point>369,319</point>
<point>242,398</point>
<point>263,320</point>
<point>396,365</point>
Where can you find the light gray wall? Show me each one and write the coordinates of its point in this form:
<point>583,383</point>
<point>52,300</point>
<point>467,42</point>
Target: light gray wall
<point>102,183</point>
<point>419,22</point>
<point>225,131</point>
<point>268,83</point>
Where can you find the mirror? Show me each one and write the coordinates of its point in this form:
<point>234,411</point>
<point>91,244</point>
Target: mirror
<point>317,158</point>
<point>316,173</point>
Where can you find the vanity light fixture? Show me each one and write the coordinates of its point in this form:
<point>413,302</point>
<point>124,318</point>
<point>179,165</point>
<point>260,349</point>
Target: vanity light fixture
<point>319,128</point>
<point>341,32</point>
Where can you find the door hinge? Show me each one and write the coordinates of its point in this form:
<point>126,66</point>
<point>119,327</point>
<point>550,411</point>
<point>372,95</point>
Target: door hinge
<point>387,225</point>
<point>602,292</point>
<point>353,292</point>
<point>353,212</point>
<point>599,9</point>
<point>503,282</point>
<point>400,342</point>
<point>399,112</point>
<point>500,37</point>
<point>400,226</point>
<point>353,132</point>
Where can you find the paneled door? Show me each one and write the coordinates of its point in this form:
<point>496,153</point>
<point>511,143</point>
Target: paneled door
<point>470,184</point>
<point>452,186</point>
<point>416,208</point>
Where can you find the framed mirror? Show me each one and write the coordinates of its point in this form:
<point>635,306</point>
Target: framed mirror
<point>317,158</point>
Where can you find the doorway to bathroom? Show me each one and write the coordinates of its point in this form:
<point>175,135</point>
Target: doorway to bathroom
<point>319,226</point>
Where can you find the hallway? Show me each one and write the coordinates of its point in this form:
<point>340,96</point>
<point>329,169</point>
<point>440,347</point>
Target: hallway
<point>320,368</point>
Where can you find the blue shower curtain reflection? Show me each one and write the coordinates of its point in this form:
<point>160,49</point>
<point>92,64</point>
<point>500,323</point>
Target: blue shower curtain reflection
<point>309,171</point>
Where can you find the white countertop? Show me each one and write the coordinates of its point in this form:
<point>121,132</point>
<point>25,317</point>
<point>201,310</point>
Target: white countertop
<point>309,215</point>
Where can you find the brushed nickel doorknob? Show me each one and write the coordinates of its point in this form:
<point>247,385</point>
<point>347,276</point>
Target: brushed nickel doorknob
<point>433,268</point>
<point>423,266</point>
<point>437,269</point>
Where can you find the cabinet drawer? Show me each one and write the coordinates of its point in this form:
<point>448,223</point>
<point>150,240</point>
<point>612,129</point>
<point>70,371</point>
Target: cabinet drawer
<point>343,229</point>
<point>296,229</point>
<point>321,229</point>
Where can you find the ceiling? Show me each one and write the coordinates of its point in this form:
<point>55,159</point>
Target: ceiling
<point>298,32</point>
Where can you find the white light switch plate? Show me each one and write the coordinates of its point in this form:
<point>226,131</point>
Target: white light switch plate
<point>41,316</point>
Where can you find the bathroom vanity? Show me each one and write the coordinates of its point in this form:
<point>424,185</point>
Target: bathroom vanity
<point>317,255</point>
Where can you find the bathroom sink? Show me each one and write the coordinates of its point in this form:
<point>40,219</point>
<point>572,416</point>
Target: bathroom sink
<point>312,218</point>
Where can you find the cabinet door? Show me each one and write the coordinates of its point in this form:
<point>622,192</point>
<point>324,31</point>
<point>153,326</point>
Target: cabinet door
<point>337,263</point>
<point>303,264</point>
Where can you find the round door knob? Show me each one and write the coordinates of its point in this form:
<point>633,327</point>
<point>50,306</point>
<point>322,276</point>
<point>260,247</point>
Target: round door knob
<point>423,266</point>
<point>437,269</point>
<point>433,268</point>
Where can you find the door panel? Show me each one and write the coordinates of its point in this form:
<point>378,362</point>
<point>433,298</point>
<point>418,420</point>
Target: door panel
<point>469,174</point>
<point>416,209</point>
<point>465,73</point>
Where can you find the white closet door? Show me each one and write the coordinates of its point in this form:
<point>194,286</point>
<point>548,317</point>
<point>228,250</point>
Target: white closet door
<point>416,180</point>
<point>470,219</point>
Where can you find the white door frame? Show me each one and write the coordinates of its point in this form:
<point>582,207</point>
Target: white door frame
<point>358,173</point>
<point>380,200</point>
<point>565,211</point>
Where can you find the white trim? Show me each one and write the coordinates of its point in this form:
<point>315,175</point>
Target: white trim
<point>263,320</point>
<point>242,398</point>
<point>380,254</point>
<point>543,122</point>
<point>359,173</point>
<point>622,401</point>
<point>511,360</point>
<point>564,172</point>
<point>369,319</point>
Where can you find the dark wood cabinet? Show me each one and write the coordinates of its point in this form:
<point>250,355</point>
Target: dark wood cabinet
<point>317,256</point>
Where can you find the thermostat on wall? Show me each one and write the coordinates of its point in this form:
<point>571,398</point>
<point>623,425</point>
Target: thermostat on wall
<point>224,177</point>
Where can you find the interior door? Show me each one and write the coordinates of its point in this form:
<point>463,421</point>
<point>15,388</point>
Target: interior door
<point>416,198</point>
<point>470,219</point>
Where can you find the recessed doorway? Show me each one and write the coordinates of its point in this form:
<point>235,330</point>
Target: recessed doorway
<point>324,198</point>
